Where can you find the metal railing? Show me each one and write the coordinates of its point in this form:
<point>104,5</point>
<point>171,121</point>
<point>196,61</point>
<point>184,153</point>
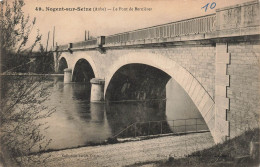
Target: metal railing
<point>185,27</point>
<point>63,47</point>
<point>196,25</point>
<point>83,44</point>
<point>192,125</point>
<point>80,45</point>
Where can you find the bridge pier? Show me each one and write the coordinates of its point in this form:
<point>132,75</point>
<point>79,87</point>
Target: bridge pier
<point>97,90</point>
<point>222,60</point>
<point>67,75</point>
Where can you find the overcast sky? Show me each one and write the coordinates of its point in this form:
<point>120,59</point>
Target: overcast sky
<point>70,26</point>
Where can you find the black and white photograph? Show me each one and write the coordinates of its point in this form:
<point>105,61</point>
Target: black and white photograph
<point>129,83</point>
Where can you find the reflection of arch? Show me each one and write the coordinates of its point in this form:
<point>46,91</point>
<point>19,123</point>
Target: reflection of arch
<point>190,84</point>
<point>83,71</point>
<point>62,65</point>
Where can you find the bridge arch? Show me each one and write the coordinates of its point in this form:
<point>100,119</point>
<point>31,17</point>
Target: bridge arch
<point>83,71</point>
<point>72,59</point>
<point>62,64</point>
<point>184,78</point>
<point>83,56</point>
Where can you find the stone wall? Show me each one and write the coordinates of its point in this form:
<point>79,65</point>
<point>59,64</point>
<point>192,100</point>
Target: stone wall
<point>244,70</point>
<point>198,60</point>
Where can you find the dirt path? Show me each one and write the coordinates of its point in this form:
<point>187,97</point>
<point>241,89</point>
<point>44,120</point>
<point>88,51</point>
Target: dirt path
<point>123,154</point>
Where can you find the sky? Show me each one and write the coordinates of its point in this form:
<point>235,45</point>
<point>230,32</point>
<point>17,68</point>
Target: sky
<point>70,26</point>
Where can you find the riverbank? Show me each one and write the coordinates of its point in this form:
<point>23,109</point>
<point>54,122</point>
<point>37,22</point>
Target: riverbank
<point>29,74</point>
<point>237,152</point>
<point>128,153</point>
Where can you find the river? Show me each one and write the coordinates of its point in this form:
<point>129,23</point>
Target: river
<point>77,122</point>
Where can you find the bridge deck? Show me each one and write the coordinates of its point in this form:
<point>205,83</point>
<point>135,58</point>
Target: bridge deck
<point>239,20</point>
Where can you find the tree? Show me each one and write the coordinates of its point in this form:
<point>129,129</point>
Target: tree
<point>14,35</point>
<point>21,99</point>
<point>21,118</point>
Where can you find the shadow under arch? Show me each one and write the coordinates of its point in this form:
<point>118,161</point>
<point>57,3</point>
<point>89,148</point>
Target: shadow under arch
<point>184,78</point>
<point>137,82</point>
<point>82,72</point>
<point>62,65</point>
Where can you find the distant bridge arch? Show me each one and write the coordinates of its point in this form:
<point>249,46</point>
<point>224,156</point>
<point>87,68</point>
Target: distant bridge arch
<point>82,71</point>
<point>73,60</point>
<point>63,63</point>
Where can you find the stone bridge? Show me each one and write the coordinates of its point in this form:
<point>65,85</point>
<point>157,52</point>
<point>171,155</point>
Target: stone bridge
<point>214,58</point>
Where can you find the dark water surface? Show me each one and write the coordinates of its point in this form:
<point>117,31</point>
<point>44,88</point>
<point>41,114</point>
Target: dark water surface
<point>77,122</point>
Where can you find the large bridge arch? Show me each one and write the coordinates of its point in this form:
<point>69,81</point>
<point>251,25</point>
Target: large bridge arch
<point>184,78</point>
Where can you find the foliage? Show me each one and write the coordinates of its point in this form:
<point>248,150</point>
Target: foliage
<point>15,29</point>
<point>22,109</point>
<point>44,62</point>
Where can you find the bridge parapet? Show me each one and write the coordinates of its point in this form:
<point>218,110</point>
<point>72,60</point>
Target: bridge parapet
<point>62,47</point>
<point>80,45</point>
<point>238,16</point>
<point>164,33</point>
<point>85,44</point>
<point>238,20</point>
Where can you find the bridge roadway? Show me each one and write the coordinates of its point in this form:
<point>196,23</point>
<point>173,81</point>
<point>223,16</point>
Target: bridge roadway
<point>214,58</point>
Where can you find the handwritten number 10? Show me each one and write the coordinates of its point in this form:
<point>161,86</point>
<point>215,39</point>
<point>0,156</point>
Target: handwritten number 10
<point>212,6</point>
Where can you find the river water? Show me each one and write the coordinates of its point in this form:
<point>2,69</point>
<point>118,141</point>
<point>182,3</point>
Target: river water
<point>77,122</point>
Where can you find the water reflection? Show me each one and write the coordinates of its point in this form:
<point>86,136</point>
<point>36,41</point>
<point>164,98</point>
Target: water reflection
<point>121,115</point>
<point>77,122</point>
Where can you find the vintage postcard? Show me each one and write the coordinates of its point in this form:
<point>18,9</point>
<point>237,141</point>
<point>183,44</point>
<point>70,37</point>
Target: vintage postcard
<point>93,83</point>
